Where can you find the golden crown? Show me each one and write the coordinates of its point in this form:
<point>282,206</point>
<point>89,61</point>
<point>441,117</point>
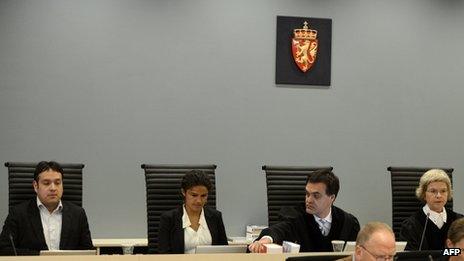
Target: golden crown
<point>305,32</point>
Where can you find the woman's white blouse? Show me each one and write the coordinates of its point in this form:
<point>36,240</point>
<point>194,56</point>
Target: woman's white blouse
<point>193,238</point>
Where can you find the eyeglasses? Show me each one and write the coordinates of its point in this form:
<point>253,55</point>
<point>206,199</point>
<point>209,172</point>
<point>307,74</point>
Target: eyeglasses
<point>436,192</point>
<point>379,257</point>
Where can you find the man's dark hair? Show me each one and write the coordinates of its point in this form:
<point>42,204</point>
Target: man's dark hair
<point>196,178</point>
<point>47,165</point>
<point>327,177</point>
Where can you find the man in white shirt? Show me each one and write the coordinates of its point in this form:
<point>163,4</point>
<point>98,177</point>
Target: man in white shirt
<point>46,222</point>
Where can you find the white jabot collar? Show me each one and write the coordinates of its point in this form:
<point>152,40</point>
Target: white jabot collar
<point>437,218</point>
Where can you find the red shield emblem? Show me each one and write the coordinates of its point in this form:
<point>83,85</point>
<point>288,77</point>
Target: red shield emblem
<point>304,47</point>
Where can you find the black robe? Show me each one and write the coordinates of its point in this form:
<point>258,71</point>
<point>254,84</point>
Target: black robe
<point>411,231</point>
<point>300,227</point>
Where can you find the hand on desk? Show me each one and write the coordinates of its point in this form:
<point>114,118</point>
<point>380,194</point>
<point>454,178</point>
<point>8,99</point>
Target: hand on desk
<point>257,246</point>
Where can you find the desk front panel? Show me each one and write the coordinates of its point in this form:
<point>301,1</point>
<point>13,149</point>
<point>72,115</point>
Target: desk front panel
<point>191,257</point>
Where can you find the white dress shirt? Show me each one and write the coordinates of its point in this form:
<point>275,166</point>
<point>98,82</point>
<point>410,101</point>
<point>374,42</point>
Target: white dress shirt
<point>193,238</point>
<point>51,224</point>
<point>439,219</point>
<point>324,223</point>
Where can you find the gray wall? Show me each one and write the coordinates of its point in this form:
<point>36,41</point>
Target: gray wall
<point>114,84</point>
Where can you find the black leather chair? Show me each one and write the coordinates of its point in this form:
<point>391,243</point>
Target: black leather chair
<point>164,193</point>
<point>21,175</point>
<point>404,181</point>
<point>285,188</point>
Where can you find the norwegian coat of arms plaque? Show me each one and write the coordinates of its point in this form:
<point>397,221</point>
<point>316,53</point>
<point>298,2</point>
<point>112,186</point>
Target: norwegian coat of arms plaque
<point>303,50</point>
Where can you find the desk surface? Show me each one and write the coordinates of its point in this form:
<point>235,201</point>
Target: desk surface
<point>186,257</point>
<point>120,242</point>
<point>143,242</point>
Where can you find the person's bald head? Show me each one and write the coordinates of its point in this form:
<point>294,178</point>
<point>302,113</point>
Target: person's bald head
<point>375,240</point>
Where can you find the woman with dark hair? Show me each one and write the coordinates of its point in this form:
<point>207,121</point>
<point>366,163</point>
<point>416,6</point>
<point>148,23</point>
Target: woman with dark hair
<point>192,224</point>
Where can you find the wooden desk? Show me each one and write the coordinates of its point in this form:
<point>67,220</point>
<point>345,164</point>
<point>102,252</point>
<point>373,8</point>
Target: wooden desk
<point>191,257</point>
<point>143,242</point>
<point>230,257</point>
<point>119,242</point>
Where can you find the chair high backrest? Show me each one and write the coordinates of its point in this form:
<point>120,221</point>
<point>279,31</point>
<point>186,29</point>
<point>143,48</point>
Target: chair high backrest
<point>164,193</point>
<point>21,175</point>
<point>404,181</point>
<point>285,188</point>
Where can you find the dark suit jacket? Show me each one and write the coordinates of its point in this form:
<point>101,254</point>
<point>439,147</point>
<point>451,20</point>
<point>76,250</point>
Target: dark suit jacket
<point>300,227</point>
<point>171,234</point>
<point>25,226</point>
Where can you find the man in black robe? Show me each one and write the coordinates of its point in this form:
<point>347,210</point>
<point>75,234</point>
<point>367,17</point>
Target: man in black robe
<point>316,223</point>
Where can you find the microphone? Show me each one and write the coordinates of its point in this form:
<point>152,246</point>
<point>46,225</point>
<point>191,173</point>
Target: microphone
<point>423,231</point>
<point>12,244</point>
